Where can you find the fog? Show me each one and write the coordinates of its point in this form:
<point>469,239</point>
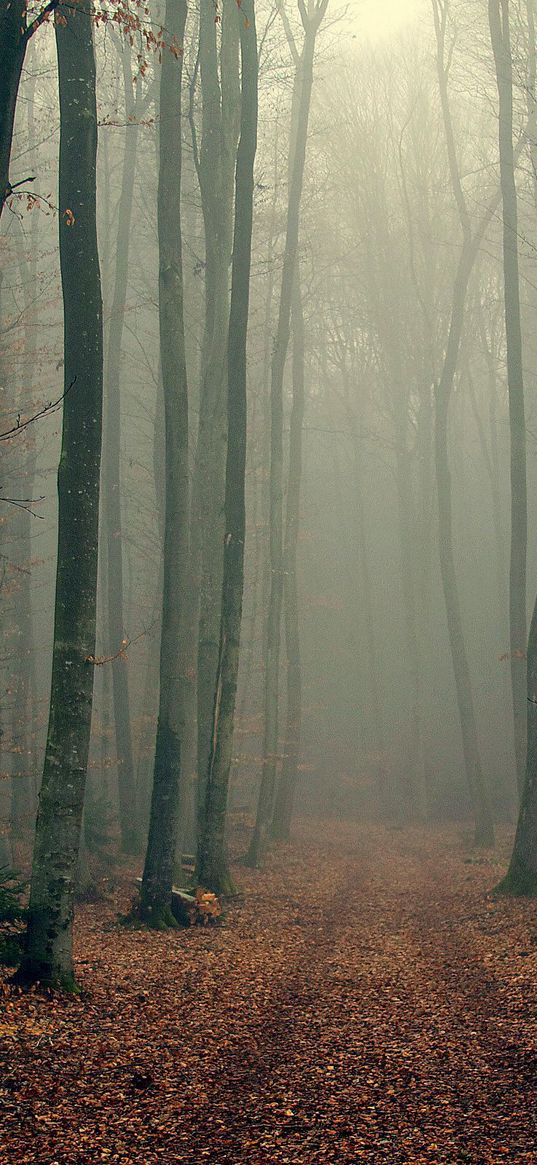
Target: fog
<point>405,658</point>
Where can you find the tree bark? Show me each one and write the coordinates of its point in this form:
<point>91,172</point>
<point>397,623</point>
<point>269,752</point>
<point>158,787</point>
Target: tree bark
<point>160,856</point>
<point>48,946</point>
<point>521,877</point>
<point>213,868</point>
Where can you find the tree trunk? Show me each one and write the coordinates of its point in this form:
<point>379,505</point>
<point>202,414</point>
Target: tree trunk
<point>163,823</point>
<point>501,46</point>
<point>213,870</point>
<point>521,877</point>
<point>23,802</point>
<point>484,827</point>
<point>220,96</point>
<point>111,494</point>
<point>48,947</point>
<point>299,139</point>
<point>285,795</point>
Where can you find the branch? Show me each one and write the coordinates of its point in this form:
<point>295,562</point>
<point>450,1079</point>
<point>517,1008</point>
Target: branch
<point>20,503</point>
<point>39,20</point>
<point>191,118</point>
<point>44,412</point>
<point>289,33</point>
<point>121,653</point>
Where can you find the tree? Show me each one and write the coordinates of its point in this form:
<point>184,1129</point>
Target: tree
<point>112,517</point>
<point>48,944</point>
<point>484,828</point>
<point>286,790</point>
<point>160,856</point>
<point>213,870</point>
<point>501,46</point>
<point>312,17</point>
<point>220,91</point>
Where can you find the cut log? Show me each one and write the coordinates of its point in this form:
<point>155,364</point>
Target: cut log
<point>183,905</point>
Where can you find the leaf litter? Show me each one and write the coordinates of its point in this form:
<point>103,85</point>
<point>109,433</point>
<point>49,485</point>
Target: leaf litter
<point>365,1000</point>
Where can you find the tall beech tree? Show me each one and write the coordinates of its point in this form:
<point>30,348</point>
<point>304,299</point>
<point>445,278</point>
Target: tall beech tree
<point>500,35</point>
<point>48,945</point>
<point>213,868</point>
<point>160,856</point>
<point>312,15</point>
<point>111,500</point>
<point>220,91</point>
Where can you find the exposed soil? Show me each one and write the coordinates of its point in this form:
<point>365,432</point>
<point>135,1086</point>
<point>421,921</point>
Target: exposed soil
<point>367,1000</point>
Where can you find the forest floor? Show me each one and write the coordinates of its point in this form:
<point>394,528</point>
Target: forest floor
<point>365,1000</point>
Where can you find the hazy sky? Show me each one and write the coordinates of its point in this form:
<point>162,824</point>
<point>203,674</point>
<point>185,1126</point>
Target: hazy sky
<point>381,17</point>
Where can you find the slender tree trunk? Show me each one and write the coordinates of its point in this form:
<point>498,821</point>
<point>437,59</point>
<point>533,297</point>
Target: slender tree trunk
<point>375,718</point>
<point>285,795</point>
<point>484,828</point>
<point>213,869</point>
<point>521,877</point>
<point>23,800</point>
<point>416,792</point>
<point>48,947</point>
<point>267,787</point>
<point>160,856</point>
<point>111,495</point>
<point>490,460</point>
<point>501,46</point>
<point>220,127</point>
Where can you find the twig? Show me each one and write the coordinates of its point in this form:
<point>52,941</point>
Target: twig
<point>21,504</point>
<point>121,653</point>
<point>50,408</point>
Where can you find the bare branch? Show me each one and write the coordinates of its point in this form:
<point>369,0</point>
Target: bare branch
<point>44,412</point>
<point>39,20</point>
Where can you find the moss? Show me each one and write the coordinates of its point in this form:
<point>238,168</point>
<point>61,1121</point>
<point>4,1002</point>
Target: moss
<point>519,882</point>
<point>10,949</point>
<point>162,919</point>
<point>31,975</point>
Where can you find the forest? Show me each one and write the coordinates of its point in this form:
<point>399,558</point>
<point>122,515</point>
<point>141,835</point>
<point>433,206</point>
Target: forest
<point>268,575</point>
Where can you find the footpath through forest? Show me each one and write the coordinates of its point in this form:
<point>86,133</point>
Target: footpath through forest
<point>367,1000</point>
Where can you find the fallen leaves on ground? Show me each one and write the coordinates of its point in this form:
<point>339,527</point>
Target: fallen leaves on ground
<point>365,1000</point>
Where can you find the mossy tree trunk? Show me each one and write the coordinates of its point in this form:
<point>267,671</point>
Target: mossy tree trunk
<point>521,877</point>
<point>220,90</point>
<point>163,823</point>
<point>48,945</point>
<point>213,868</point>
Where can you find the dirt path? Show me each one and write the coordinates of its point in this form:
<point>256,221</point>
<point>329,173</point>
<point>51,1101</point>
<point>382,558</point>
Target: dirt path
<point>367,1001</point>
